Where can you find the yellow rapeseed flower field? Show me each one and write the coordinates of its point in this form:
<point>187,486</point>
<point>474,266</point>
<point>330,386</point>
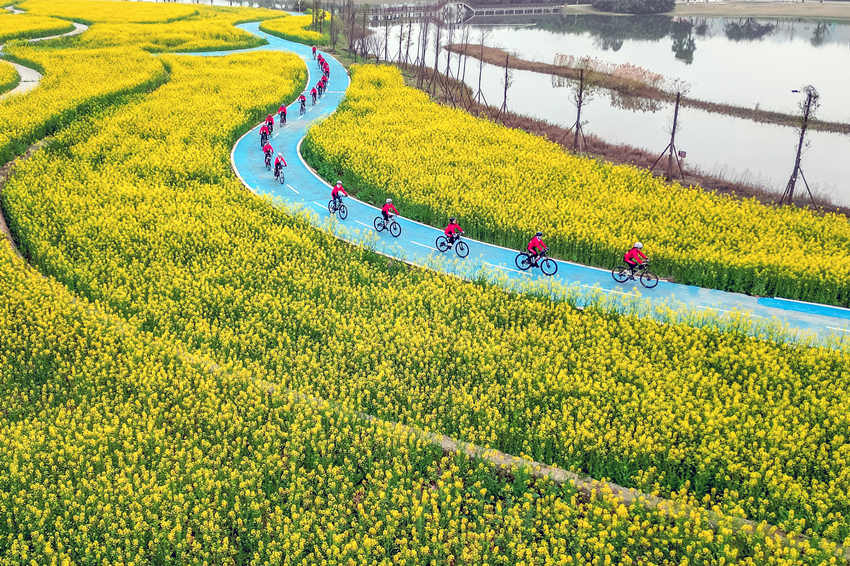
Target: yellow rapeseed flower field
<point>116,447</point>
<point>504,184</point>
<point>23,26</point>
<point>209,29</point>
<point>75,81</point>
<point>295,28</point>
<point>91,11</point>
<point>8,77</point>
<point>139,211</point>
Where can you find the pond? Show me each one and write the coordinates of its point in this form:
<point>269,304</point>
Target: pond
<point>749,62</point>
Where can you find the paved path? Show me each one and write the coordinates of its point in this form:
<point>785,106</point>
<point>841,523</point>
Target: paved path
<point>304,191</point>
<point>30,77</point>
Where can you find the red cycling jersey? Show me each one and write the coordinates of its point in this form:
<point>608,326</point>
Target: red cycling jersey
<point>389,207</point>
<point>337,190</point>
<point>278,160</point>
<point>264,129</point>
<point>302,98</point>
<point>313,91</point>
<point>634,255</point>
<point>452,228</point>
<point>282,110</point>
<point>268,148</point>
<point>269,119</point>
<point>536,245</point>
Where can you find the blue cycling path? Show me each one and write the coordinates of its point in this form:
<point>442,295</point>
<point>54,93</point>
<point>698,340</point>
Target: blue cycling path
<point>304,192</point>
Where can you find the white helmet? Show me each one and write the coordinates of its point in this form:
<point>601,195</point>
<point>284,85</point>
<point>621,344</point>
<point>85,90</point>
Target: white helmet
<point>638,245</point>
<point>338,182</point>
<point>389,200</point>
<point>279,154</point>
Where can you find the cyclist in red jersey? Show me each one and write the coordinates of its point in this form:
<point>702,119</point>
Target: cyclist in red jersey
<point>338,192</point>
<point>387,208</point>
<point>536,247</point>
<point>279,163</point>
<point>270,122</point>
<point>313,94</point>
<point>302,100</point>
<point>282,113</point>
<point>314,52</point>
<point>634,257</point>
<point>453,230</point>
<point>268,150</point>
<point>264,134</point>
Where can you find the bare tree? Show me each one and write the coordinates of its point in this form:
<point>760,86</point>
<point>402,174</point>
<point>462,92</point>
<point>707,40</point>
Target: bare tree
<point>334,31</point>
<point>407,49</point>
<point>808,106</point>
<point>386,35</point>
<point>439,24</point>
<point>421,56</point>
<point>506,82</point>
<point>479,95</point>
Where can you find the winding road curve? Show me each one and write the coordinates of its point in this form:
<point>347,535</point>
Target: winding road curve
<point>30,77</point>
<point>305,191</point>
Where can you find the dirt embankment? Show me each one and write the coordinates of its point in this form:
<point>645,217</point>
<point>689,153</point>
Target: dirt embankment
<point>630,87</point>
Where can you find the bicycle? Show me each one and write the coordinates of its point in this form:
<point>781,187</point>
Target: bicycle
<point>336,206</point>
<point>280,176</point>
<point>303,108</point>
<point>271,127</point>
<point>268,162</point>
<point>391,225</point>
<point>282,117</point>
<point>461,247</point>
<point>623,273</point>
<point>263,139</point>
<point>548,266</point>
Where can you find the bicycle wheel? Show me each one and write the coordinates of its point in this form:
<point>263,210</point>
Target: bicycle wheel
<point>549,267</point>
<point>395,229</point>
<point>331,206</point>
<point>379,224</point>
<point>342,211</point>
<point>281,179</point>
<point>441,243</point>
<point>648,279</point>
<point>522,261</point>
<point>620,274</point>
<point>461,249</point>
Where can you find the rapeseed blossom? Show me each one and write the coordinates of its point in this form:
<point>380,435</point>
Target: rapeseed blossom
<point>504,184</point>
